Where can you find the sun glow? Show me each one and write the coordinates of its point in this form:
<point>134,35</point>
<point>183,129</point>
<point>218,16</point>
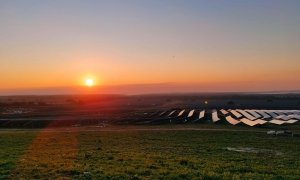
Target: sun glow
<point>89,82</point>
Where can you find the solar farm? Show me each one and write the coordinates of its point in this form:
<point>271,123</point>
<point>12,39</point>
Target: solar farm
<point>198,117</point>
<point>264,111</point>
<point>247,117</point>
<point>150,137</point>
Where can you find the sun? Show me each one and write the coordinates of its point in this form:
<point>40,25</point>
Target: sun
<point>89,82</point>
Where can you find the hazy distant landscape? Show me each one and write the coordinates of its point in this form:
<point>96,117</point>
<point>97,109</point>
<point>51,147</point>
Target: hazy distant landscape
<point>38,111</point>
<point>140,89</point>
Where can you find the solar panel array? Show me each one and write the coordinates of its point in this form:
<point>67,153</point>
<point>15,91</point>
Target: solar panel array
<point>249,117</point>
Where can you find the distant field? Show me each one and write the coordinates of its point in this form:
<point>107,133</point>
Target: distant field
<point>148,154</point>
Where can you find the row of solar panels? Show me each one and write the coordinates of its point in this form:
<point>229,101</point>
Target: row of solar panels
<point>250,117</point>
<point>181,113</point>
<point>178,115</point>
<point>253,117</point>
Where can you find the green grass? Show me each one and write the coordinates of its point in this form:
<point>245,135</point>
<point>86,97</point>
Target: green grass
<point>12,145</point>
<point>185,154</point>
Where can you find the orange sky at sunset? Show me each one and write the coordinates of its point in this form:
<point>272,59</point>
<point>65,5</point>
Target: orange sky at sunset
<point>199,45</point>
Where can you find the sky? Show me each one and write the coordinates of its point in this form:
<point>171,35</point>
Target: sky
<point>203,45</point>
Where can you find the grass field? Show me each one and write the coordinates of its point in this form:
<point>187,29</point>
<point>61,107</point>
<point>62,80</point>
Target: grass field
<point>148,154</point>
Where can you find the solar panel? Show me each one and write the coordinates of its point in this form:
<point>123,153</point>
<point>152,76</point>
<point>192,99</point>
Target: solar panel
<point>260,121</point>
<point>236,114</point>
<point>181,113</point>
<point>191,113</point>
<point>171,113</point>
<point>249,122</point>
<point>277,122</point>
<point>265,115</point>
<point>253,113</point>
<point>231,120</point>
<point>201,114</point>
<point>294,116</point>
<point>271,113</point>
<point>287,112</point>
<point>224,112</point>
<point>291,121</point>
<point>215,117</point>
<point>247,115</point>
<point>283,117</point>
<point>296,112</point>
<point>162,113</point>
